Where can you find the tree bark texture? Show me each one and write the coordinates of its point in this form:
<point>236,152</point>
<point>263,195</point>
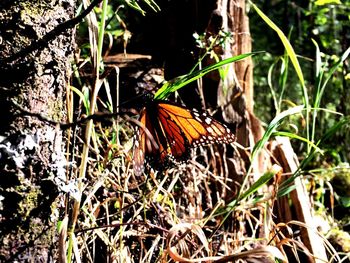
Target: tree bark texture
<point>235,92</point>
<point>31,151</point>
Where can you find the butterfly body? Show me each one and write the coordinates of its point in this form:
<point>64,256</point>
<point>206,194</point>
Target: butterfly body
<point>168,131</point>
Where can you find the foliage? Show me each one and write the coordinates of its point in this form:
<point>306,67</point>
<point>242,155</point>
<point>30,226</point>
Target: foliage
<point>324,22</point>
<point>181,81</point>
<point>326,86</point>
<point>326,123</point>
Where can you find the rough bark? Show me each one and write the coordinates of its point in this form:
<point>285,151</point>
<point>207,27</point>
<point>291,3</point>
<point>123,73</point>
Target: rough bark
<point>31,151</point>
<point>236,90</point>
<point>300,210</point>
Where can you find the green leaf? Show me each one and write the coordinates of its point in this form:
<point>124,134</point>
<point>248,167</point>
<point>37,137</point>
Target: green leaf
<point>286,190</point>
<point>295,136</point>
<point>62,225</point>
<point>327,2</point>
<point>285,41</point>
<point>262,142</point>
<point>181,81</point>
<point>329,134</point>
<point>134,4</point>
<point>345,201</point>
<point>260,182</point>
<point>293,59</point>
<point>273,126</point>
<point>334,68</point>
<point>83,97</point>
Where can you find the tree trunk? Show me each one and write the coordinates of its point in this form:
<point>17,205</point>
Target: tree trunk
<point>34,81</point>
<point>235,92</point>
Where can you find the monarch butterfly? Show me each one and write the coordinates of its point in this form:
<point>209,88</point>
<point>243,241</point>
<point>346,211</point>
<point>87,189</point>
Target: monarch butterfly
<point>168,131</point>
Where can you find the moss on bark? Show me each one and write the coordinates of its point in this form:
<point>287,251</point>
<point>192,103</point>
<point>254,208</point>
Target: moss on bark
<point>31,152</point>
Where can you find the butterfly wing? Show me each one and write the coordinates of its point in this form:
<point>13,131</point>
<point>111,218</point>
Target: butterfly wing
<point>177,143</point>
<point>169,131</point>
<point>199,129</point>
<point>144,142</point>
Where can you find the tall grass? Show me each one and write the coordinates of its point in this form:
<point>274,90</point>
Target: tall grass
<point>96,49</point>
<point>321,80</point>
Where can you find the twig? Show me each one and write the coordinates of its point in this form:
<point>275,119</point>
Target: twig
<point>99,116</point>
<point>123,224</point>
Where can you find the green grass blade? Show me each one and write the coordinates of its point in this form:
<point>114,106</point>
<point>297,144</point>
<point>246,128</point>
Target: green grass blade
<point>297,137</point>
<point>334,68</point>
<point>285,190</point>
<point>322,81</point>
<point>101,33</point>
<point>181,81</point>
<point>270,84</point>
<point>318,83</point>
<point>272,127</point>
<point>259,183</point>
<point>293,59</point>
<point>260,145</point>
<point>329,134</point>
<point>285,41</point>
<point>283,79</point>
<point>83,97</point>
<point>135,5</point>
<point>336,127</point>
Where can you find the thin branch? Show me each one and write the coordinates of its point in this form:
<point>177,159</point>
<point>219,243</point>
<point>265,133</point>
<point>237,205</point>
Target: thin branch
<point>124,224</point>
<point>99,116</point>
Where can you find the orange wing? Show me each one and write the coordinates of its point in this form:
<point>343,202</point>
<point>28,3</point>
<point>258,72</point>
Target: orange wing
<point>169,131</point>
<point>199,129</point>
